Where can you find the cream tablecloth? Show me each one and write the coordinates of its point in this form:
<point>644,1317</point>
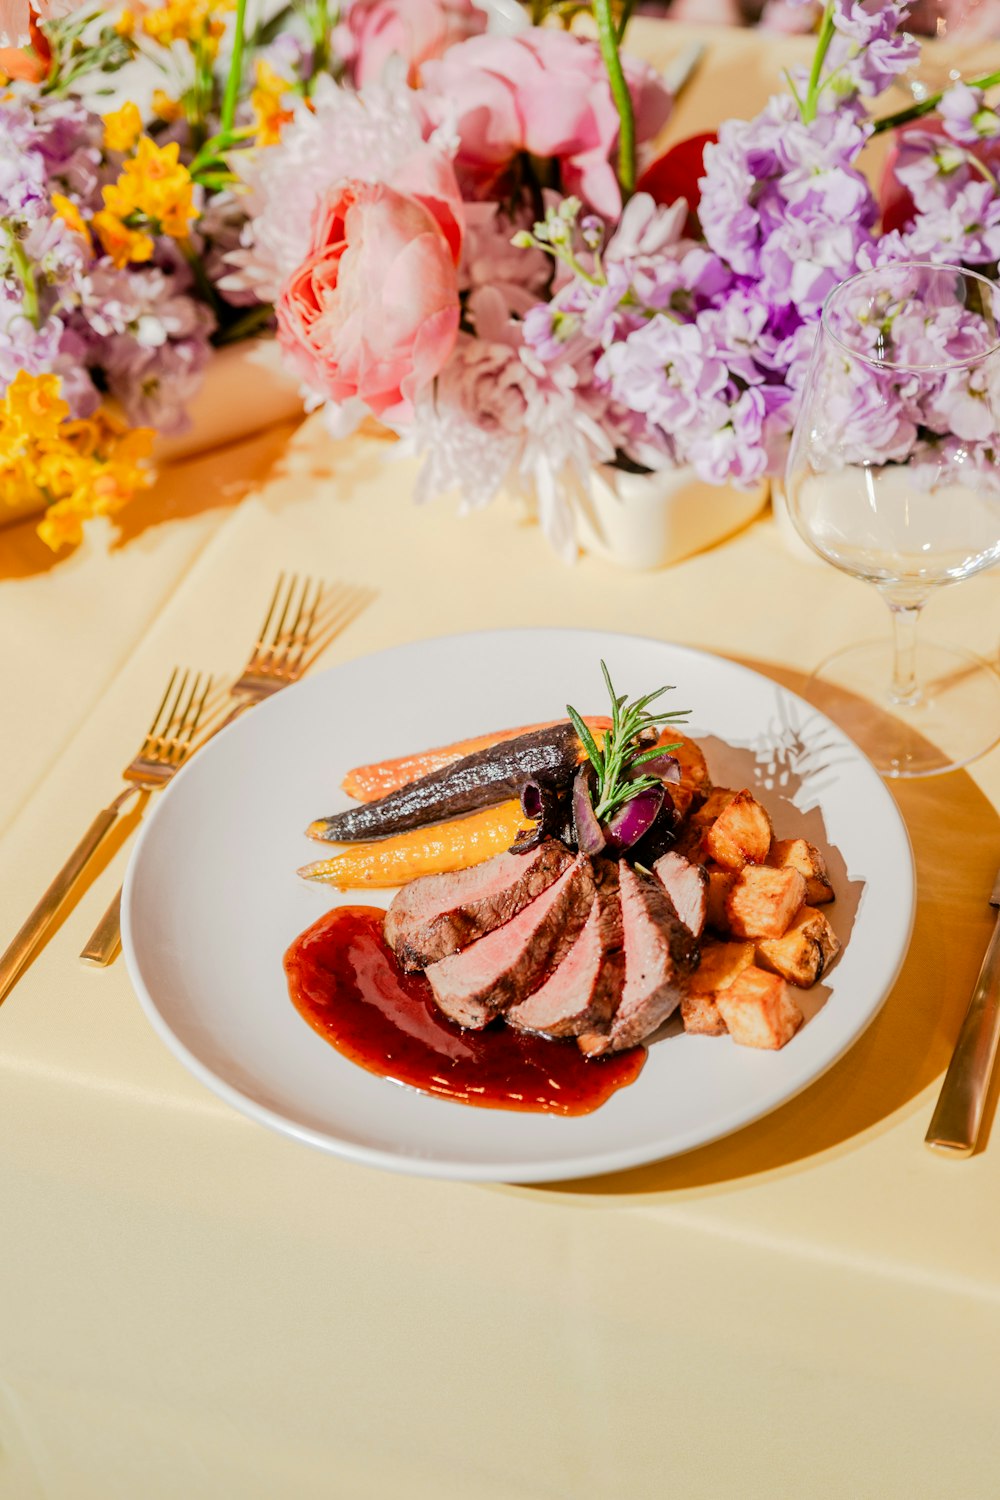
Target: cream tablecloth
<point>192,1306</point>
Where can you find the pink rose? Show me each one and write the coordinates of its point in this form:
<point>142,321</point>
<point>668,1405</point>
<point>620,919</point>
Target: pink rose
<point>415,30</point>
<point>17,18</point>
<point>544,92</point>
<point>373,311</point>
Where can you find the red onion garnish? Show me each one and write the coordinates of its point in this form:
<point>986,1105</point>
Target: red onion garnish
<point>634,818</point>
<point>589,834</point>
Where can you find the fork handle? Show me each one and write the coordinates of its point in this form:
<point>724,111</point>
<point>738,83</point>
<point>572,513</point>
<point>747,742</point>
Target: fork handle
<point>104,943</point>
<point>955,1123</point>
<point>14,960</point>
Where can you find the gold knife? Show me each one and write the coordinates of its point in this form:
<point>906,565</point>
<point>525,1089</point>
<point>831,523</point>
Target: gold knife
<point>956,1121</point>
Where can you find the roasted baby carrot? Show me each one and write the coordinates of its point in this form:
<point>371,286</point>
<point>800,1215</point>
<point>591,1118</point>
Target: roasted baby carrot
<point>368,783</point>
<point>423,851</point>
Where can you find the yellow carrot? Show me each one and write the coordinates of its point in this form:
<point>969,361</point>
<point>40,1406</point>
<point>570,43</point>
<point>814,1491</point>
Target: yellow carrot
<point>423,851</point>
<point>367,783</point>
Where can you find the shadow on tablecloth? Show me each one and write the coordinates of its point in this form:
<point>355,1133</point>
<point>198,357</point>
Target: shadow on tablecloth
<point>955,833</point>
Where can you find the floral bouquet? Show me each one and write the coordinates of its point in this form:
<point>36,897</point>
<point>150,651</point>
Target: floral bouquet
<point>459,231</point>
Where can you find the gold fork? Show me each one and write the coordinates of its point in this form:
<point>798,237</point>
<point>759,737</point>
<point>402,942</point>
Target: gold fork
<point>302,619</point>
<point>162,752</point>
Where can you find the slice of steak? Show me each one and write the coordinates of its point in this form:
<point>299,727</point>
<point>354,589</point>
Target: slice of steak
<point>509,963</point>
<point>584,990</point>
<point>687,886</point>
<point>659,953</point>
<point>436,915</point>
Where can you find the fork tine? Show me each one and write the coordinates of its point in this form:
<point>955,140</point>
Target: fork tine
<point>156,717</point>
<point>302,637</point>
<point>157,735</point>
<point>189,719</point>
<point>199,710</point>
<point>263,636</point>
<point>279,631</point>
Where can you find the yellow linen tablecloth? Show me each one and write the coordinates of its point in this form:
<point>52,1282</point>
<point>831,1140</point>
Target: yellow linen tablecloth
<point>193,1306</point>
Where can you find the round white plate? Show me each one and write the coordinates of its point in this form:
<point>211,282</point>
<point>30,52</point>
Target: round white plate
<point>212,900</point>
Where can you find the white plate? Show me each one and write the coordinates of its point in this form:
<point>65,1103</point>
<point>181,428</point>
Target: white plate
<point>212,901</point>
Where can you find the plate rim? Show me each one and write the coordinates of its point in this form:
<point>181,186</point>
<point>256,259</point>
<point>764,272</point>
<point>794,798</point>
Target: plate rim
<point>532,1171</point>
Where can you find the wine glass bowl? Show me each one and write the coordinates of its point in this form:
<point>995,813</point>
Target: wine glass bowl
<point>894,477</point>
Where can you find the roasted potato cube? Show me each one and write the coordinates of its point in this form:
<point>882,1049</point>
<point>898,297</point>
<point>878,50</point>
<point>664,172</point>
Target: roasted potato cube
<point>719,966</point>
<point>740,835</point>
<point>717,800</point>
<point>801,956</point>
<point>762,902</point>
<point>720,883</point>
<point>759,1009</point>
<point>683,795</point>
<point>799,854</point>
<point>701,1017</point>
<point>694,767</point>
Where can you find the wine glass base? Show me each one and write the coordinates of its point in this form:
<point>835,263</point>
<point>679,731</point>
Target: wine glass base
<point>956,718</point>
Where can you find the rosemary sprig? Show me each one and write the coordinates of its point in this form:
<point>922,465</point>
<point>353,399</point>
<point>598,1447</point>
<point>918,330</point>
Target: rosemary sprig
<point>616,763</point>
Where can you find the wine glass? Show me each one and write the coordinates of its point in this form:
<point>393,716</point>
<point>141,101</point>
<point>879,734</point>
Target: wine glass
<point>894,477</point>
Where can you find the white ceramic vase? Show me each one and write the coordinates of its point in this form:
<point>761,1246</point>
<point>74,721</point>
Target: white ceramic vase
<point>645,521</point>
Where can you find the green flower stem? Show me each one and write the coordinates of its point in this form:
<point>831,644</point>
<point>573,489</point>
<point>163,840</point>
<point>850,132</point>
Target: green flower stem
<point>624,18</point>
<point>245,326</point>
<point>25,274</point>
<point>235,78</point>
<point>808,106</point>
<point>928,106</point>
<point>321,24</point>
<point>607,35</point>
<point>201,279</point>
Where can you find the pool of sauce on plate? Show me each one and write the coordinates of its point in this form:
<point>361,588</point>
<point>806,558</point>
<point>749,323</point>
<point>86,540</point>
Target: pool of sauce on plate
<point>344,979</point>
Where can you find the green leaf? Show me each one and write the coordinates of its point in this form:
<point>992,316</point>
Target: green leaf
<point>587,741</point>
<point>655,753</point>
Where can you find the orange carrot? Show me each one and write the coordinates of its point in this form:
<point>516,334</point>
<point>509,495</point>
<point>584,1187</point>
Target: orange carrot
<point>423,851</point>
<point>367,783</point>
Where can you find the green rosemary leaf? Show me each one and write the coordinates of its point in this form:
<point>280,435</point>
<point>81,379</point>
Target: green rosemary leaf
<point>655,753</point>
<point>626,746</point>
<point>587,741</point>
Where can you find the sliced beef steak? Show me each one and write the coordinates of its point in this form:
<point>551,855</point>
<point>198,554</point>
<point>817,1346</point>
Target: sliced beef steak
<point>584,991</point>
<point>659,953</point>
<point>510,962</point>
<point>687,886</point>
<point>436,915</point>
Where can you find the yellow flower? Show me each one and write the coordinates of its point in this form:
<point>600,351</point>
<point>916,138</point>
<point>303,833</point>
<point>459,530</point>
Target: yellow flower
<point>154,184</point>
<point>62,525</point>
<point>70,214</point>
<point>32,408</point>
<point>79,468</point>
<point>59,472</point>
<point>166,108</point>
<point>266,102</point>
<point>190,21</point>
<point>125,24</point>
<point>122,128</point>
<point>125,246</point>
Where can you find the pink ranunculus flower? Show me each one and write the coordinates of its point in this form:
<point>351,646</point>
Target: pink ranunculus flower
<point>16,17</point>
<point>372,312</point>
<point>415,30</point>
<point>544,92</point>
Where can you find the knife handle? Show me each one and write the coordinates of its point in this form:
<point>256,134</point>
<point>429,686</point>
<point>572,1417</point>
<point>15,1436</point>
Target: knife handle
<point>955,1123</point>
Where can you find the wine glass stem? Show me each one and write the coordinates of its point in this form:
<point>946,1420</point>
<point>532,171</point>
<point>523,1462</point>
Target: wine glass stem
<point>905,689</point>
